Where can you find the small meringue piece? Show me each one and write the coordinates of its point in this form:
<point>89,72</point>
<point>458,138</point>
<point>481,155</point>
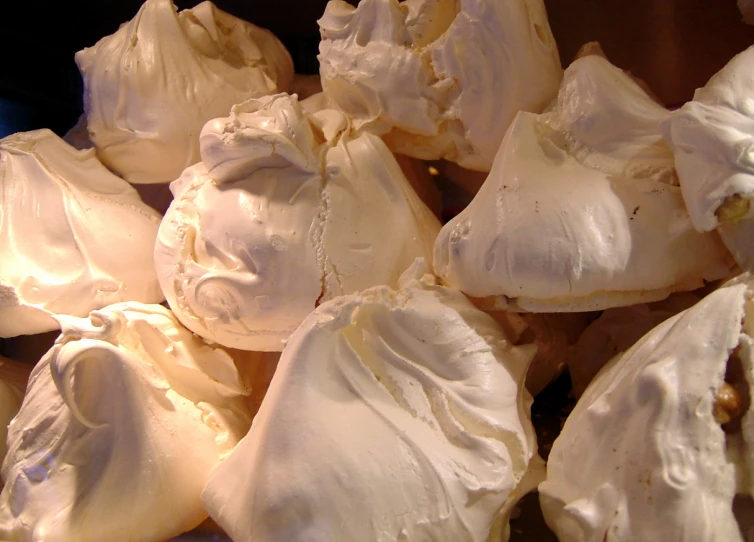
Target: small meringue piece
<point>393,415</point>
<point>150,87</point>
<point>127,408</point>
<point>713,140</point>
<point>439,78</point>
<point>74,237</point>
<point>642,456</point>
<point>580,211</point>
<point>286,209</point>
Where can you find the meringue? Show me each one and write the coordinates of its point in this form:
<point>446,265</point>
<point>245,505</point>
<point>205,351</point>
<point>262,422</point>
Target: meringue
<point>712,137</point>
<point>73,236</point>
<point>285,210</point>
<point>13,377</point>
<point>127,407</point>
<point>393,415</point>
<point>580,211</point>
<point>150,87</point>
<point>439,78</point>
<point>661,442</point>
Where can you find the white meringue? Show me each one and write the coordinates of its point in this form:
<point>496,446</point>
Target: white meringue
<point>73,236</point>
<point>13,377</point>
<point>643,455</point>
<point>286,209</point>
<point>579,211</point>
<point>713,140</point>
<point>150,87</point>
<point>439,78</point>
<point>393,415</point>
<point>122,422</point>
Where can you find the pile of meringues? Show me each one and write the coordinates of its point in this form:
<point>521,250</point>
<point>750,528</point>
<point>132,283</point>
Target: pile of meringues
<point>331,363</point>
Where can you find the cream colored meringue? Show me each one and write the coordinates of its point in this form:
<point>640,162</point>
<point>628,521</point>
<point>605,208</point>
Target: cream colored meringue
<point>286,209</point>
<point>122,422</point>
<point>579,211</point>
<point>393,415</point>
<point>150,87</point>
<point>644,455</point>
<point>73,236</point>
<point>439,78</point>
<point>713,140</point>
<point>13,377</point>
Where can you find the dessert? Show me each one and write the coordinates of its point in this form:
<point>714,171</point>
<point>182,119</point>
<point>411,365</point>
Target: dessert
<point>393,415</point>
<point>438,78</point>
<point>580,211</point>
<point>122,422</point>
<point>74,236</point>
<point>151,86</point>
<point>287,209</point>
<point>660,444</point>
<point>712,138</point>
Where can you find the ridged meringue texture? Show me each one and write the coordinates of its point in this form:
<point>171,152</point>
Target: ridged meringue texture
<point>285,210</point>
<point>713,140</point>
<point>150,87</point>
<point>122,422</point>
<point>657,449</point>
<point>13,377</point>
<point>579,211</point>
<point>73,236</point>
<point>393,415</point>
<point>439,78</point>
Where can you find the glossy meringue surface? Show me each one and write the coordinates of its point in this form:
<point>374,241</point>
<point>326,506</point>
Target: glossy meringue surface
<point>151,86</point>
<point>438,78</point>
<point>713,140</point>
<point>642,457</point>
<point>123,419</point>
<point>580,211</point>
<point>73,236</point>
<point>393,415</point>
<point>286,209</point>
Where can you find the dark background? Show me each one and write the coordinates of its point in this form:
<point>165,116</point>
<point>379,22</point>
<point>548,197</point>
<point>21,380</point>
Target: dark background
<point>675,45</point>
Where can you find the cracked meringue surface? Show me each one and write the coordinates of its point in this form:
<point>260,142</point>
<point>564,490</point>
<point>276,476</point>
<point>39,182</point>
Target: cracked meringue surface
<point>393,415</point>
<point>61,214</point>
<point>713,140</point>
<point>122,422</point>
<point>580,211</point>
<point>150,87</point>
<point>286,209</point>
<point>660,445</point>
<point>439,78</point>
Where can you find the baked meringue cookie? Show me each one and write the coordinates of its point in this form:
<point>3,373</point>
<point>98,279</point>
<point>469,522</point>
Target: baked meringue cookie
<point>285,210</point>
<point>439,78</point>
<point>122,422</point>
<point>73,236</point>
<point>662,441</point>
<point>13,377</point>
<point>150,87</point>
<point>713,140</point>
<point>580,211</point>
<point>393,415</point>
